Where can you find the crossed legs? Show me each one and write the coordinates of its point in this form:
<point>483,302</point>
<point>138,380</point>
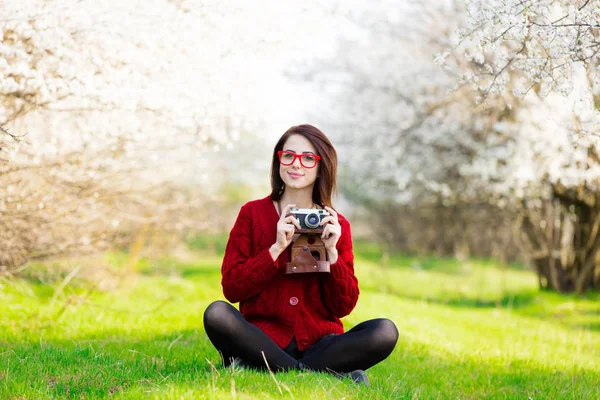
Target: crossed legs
<point>361,347</point>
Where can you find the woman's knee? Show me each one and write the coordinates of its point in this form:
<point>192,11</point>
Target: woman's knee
<point>386,334</point>
<point>216,312</point>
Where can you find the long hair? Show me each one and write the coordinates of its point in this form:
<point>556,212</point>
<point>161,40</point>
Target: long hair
<point>326,183</point>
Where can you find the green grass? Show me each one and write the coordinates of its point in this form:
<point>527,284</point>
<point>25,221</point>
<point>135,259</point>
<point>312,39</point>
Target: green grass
<point>468,330</point>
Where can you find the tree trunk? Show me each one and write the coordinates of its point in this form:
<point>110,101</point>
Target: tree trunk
<point>552,272</point>
<point>562,238</point>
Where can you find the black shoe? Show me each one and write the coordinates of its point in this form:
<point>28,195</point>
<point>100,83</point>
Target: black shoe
<point>357,376</point>
<point>238,363</point>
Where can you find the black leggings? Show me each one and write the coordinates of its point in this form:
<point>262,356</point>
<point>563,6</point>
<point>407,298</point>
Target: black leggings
<point>360,348</point>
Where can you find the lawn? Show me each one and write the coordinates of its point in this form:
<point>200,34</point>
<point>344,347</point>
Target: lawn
<point>468,330</point>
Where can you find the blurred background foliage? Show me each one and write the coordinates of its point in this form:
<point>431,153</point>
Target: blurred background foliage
<point>145,132</point>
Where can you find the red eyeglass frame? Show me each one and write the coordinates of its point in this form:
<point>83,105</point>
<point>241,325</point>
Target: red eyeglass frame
<point>299,156</point>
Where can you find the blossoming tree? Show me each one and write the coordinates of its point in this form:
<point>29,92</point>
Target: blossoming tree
<point>532,45</point>
<point>489,127</point>
<point>114,107</point>
<point>75,97</point>
<point>547,48</point>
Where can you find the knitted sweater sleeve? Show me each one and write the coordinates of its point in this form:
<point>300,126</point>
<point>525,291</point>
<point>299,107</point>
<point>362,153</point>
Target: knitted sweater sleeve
<point>243,275</point>
<point>340,289</point>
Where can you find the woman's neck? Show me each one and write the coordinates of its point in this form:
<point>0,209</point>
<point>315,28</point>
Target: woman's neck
<point>301,198</point>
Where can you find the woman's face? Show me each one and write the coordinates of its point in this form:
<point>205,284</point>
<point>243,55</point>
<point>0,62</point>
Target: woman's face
<point>297,176</point>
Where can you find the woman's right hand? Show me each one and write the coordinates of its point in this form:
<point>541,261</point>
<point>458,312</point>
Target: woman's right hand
<point>286,226</point>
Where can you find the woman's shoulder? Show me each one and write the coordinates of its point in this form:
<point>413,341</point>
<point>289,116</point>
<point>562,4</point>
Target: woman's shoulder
<point>262,202</point>
<point>342,220</point>
<point>260,205</point>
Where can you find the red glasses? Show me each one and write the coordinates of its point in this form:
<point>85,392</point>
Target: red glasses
<point>306,160</point>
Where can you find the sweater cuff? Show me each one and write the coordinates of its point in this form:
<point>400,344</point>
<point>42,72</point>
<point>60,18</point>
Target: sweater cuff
<point>276,262</point>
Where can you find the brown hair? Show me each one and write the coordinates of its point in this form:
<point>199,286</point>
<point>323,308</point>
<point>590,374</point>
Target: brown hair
<point>326,184</point>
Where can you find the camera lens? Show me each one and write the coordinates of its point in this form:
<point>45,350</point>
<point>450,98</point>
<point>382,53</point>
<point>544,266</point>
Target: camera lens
<point>312,220</point>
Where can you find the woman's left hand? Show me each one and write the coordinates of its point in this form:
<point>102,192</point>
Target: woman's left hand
<point>332,230</point>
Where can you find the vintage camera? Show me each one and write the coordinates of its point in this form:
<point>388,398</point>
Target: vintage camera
<point>309,218</point>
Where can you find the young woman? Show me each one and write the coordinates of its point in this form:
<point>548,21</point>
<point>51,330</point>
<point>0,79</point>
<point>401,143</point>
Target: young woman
<point>292,321</point>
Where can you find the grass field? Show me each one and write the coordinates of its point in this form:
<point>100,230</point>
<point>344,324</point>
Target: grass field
<point>468,330</point>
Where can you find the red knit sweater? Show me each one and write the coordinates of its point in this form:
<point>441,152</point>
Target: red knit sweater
<point>307,306</point>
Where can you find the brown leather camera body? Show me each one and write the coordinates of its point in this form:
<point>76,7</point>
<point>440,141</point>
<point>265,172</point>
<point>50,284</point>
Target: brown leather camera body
<point>308,253</point>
